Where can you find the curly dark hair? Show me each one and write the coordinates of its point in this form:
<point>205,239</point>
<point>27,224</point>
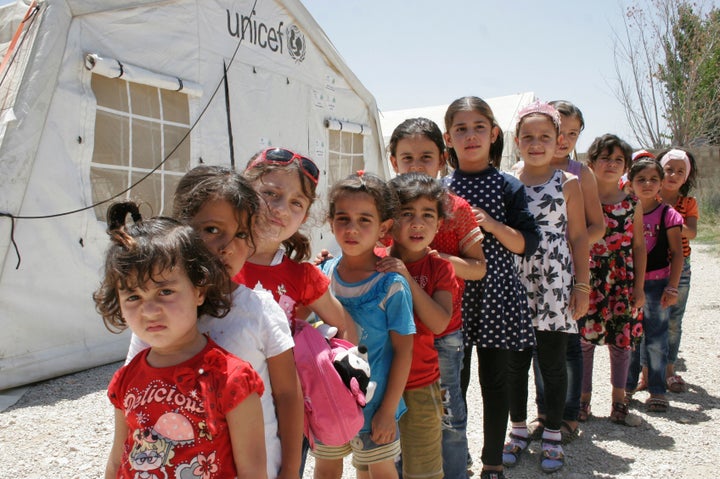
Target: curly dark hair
<point>138,252</point>
<point>411,186</point>
<point>206,183</point>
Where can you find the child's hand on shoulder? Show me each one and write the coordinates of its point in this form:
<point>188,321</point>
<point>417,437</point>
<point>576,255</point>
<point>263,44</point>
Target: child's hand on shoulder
<point>434,252</point>
<point>321,257</point>
<point>389,264</point>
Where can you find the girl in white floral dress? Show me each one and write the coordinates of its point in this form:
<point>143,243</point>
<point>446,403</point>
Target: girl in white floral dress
<point>556,300</point>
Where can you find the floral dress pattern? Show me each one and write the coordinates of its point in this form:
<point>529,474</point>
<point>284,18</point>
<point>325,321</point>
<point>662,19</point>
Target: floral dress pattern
<point>611,319</point>
<point>547,274</point>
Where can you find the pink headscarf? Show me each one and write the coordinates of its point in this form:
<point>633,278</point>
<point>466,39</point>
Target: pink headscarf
<point>676,154</point>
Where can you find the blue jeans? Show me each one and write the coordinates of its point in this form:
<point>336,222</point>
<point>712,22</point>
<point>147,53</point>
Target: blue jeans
<point>451,350</point>
<point>574,364</point>
<point>654,342</point>
<point>677,311</point>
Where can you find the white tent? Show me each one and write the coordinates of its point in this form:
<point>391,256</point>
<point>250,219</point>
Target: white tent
<point>505,109</point>
<point>96,94</point>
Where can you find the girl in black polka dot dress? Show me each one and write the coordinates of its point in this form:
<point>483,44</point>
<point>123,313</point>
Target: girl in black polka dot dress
<point>496,317</point>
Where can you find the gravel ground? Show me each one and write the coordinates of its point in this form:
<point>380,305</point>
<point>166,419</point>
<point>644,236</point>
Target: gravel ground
<point>63,427</point>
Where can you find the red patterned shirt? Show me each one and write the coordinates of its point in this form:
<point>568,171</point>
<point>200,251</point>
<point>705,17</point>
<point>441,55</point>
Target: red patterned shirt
<point>176,415</point>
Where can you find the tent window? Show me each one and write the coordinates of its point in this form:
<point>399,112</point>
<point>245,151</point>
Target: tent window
<point>345,155</point>
<point>136,128</point>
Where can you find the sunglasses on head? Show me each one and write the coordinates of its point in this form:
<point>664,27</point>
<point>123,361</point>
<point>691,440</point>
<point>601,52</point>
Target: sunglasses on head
<point>281,156</point>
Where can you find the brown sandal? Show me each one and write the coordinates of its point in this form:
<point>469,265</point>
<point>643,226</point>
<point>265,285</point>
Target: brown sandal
<point>584,413</point>
<point>676,384</point>
<point>567,433</point>
<point>536,428</point>
<point>621,414</point>
<point>657,404</point>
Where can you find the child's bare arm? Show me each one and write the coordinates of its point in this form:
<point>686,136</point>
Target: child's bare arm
<point>329,309</point>
<point>594,217</point>
<point>115,457</point>
<point>471,265</point>
<point>247,434</point>
<point>670,295</point>
<point>510,238</point>
<point>384,424</point>
<point>434,311</point>
<point>289,409</point>
<point>639,253</point>
<point>579,247</point>
<point>689,229</point>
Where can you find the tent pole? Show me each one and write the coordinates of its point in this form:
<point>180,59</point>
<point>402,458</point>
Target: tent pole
<point>227,112</point>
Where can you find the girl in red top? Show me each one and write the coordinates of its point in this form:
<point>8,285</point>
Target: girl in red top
<point>184,404</point>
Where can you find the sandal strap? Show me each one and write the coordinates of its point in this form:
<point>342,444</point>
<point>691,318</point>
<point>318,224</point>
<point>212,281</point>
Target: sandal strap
<point>620,407</point>
<point>552,450</point>
<point>516,444</point>
<point>552,443</point>
<point>553,454</point>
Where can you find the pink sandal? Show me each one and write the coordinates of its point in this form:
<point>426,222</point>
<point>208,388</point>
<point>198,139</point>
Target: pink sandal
<point>676,384</point>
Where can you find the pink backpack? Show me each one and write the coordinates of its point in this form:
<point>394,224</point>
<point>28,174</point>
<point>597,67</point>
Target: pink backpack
<point>333,413</point>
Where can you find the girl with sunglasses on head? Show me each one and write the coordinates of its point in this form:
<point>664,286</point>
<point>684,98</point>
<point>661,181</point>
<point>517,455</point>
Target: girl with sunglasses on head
<point>222,206</point>
<point>286,183</point>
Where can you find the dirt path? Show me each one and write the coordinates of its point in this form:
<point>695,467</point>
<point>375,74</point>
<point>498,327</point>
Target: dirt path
<point>63,427</point>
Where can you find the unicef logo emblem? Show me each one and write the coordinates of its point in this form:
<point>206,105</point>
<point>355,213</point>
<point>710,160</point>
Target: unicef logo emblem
<point>296,43</point>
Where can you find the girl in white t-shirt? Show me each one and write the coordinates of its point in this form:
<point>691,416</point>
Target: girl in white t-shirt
<point>220,205</point>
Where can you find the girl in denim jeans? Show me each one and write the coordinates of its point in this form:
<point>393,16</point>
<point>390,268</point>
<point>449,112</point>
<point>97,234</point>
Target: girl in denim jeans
<point>662,227</point>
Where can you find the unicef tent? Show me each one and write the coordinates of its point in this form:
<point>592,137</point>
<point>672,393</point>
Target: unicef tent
<point>119,98</point>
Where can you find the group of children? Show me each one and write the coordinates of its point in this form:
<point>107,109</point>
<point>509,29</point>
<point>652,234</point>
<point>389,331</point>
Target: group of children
<point>538,265</point>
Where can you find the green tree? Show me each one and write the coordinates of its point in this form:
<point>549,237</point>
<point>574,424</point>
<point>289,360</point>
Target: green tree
<point>672,49</point>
